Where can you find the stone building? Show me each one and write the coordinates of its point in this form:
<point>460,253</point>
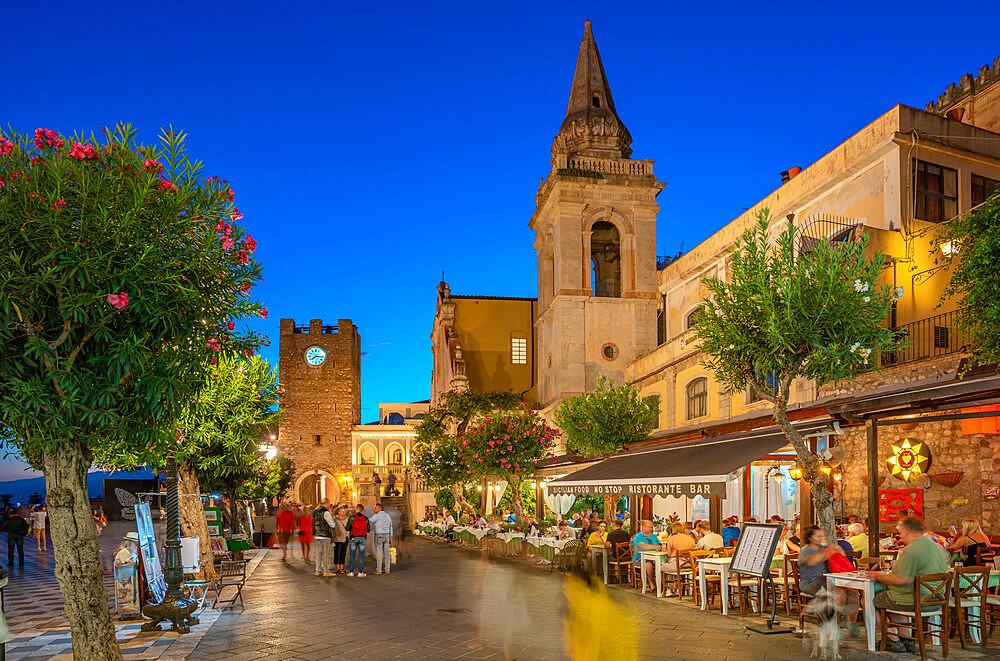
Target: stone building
<point>320,371</point>
<point>607,306</point>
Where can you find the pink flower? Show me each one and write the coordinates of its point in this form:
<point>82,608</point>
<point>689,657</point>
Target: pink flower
<point>166,184</point>
<point>119,301</point>
<point>250,243</point>
<point>153,166</point>
<point>248,353</point>
<point>6,146</point>
<point>2,183</point>
<point>229,194</point>
<point>263,313</point>
<point>236,215</point>
<point>58,204</point>
<point>83,152</point>
<point>213,362</point>
<point>231,326</point>
<point>245,287</point>
<point>228,244</point>
<point>47,137</point>
<point>213,344</point>
<point>221,227</point>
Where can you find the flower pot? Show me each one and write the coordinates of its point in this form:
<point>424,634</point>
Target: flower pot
<point>949,479</point>
<point>908,426</point>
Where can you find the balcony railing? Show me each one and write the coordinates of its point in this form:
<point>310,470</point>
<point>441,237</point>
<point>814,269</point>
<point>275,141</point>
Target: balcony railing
<point>935,336</point>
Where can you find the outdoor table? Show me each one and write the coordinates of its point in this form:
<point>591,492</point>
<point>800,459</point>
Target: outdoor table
<point>512,541</point>
<point>600,550</point>
<point>720,565</point>
<point>199,591</point>
<point>547,546</point>
<point>657,558</point>
<point>857,580</point>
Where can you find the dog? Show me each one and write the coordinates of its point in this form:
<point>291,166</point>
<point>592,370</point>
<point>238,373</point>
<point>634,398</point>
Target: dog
<point>826,641</point>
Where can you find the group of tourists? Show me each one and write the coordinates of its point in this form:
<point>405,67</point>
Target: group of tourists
<point>328,536</point>
<point>20,522</point>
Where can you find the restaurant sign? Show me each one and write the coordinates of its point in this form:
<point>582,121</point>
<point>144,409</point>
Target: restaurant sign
<point>677,489</point>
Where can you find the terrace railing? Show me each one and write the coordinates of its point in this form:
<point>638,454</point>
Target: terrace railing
<point>939,335</point>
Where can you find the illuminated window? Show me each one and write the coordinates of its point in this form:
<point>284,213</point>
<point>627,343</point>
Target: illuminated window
<point>519,350</point>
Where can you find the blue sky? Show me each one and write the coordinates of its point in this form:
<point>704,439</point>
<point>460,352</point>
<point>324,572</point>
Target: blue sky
<point>372,147</point>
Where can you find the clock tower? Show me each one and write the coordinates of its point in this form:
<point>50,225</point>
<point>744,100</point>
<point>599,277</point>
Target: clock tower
<point>319,367</point>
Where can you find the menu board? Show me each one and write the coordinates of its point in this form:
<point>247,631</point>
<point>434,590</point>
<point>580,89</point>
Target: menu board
<point>755,548</point>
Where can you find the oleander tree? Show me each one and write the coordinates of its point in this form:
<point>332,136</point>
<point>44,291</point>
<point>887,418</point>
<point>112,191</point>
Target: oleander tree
<point>972,248</point>
<point>506,443</point>
<point>782,315</point>
<point>123,274</point>
<point>435,456</point>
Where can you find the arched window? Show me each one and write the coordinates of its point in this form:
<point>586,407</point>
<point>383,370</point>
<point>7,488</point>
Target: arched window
<point>697,398</point>
<point>394,419</point>
<point>653,402</point>
<point>692,317</point>
<point>367,454</point>
<point>394,455</point>
<point>605,254</point>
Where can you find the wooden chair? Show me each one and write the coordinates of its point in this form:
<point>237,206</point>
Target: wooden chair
<point>801,598</point>
<point>784,585</point>
<point>932,607</point>
<point>620,563</point>
<point>711,580</point>
<point>683,577</point>
<point>969,591</point>
<point>232,573</point>
<point>727,552</point>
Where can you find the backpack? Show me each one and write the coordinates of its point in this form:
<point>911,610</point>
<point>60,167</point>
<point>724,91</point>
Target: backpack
<point>360,526</point>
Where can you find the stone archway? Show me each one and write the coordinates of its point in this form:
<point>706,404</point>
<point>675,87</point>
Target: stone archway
<point>313,485</point>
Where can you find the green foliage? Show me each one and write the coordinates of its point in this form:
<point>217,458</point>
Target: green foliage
<point>605,420</point>
<point>577,172</point>
<point>975,257</point>
<point>584,503</point>
<point>277,480</point>
<point>444,499</point>
<point>527,498</point>
<point>78,363</point>
<point>439,465</point>
<point>820,316</point>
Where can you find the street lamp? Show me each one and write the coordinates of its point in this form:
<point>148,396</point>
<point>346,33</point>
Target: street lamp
<point>795,472</point>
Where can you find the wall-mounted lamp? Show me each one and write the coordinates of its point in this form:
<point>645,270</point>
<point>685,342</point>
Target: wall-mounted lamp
<point>795,472</point>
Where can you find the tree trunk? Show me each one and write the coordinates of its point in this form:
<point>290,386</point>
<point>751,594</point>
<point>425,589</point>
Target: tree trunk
<point>515,484</point>
<point>193,522</point>
<point>457,490</point>
<point>609,509</point>
<point>78,567</point>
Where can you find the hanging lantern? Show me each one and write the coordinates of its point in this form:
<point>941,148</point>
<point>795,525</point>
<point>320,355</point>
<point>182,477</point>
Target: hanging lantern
<point>795,472</point>
<point>825,468</point>
<point>909,459</point>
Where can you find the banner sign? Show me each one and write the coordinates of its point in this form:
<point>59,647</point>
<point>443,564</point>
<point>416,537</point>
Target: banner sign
<point>677,489</point>
<point>150,556</point>
<point>894,503</point>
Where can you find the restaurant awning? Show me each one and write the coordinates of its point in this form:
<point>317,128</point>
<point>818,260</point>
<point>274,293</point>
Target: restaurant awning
<point>694,468</point>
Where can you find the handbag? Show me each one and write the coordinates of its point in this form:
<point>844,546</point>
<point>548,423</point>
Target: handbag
<point>838,562</point>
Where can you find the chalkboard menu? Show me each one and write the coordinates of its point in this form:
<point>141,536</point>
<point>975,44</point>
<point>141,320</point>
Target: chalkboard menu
<point>755,548</point>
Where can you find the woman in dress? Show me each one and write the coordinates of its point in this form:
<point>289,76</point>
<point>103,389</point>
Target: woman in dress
<point>305,531</point>
<point>340,539</point>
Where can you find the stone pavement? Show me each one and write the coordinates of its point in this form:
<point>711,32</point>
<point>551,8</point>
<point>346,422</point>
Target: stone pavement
<point>444,603</point>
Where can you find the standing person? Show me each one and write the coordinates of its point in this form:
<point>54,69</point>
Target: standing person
<point>381,525</point>
<point>322,523</point>
<point>812,568</point>
<point>284,522</point>
<point>100,520</point>
<point>391,481</point>
<point>377,481</point>
<point>306,532</point>
<point>16,528</point>
<point>358,528</point>
<point>340,539</point>
<point>38,518</point>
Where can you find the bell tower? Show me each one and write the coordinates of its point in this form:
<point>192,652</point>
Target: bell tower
<point>595,237</point>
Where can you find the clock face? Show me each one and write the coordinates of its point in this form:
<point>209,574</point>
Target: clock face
<point>315,356</point>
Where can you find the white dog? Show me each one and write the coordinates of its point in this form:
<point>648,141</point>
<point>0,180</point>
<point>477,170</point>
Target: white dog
<point>826,641</point>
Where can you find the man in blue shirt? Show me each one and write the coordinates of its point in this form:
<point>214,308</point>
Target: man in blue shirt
<point>731,531</point>
<point>645,540</point>
<point>382,531</point>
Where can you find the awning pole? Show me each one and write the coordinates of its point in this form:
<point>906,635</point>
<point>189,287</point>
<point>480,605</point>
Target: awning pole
<point>872,451</point>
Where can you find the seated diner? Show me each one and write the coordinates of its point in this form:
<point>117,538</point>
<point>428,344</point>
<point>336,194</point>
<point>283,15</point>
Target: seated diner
<point>645,540</point>
<point>812,569</point>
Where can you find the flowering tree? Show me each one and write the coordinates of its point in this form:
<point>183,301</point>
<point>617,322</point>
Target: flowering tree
<point>436,457</point>
<point>973,242</point>
<point>782,316</point>
<point>506,443</point>
<point>123,275</point>
<point>605,420</point>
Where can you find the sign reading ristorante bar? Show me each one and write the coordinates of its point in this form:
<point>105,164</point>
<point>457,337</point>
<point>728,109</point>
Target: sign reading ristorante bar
<point>689,489</point>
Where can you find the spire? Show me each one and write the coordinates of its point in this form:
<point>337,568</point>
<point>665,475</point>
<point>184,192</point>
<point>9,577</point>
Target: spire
<point>592,127</point>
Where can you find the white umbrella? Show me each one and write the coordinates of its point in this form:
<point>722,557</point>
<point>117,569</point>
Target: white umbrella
<point>560,503</point>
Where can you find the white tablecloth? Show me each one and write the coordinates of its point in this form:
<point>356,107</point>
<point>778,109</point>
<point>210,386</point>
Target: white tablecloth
<point>547,541</point>
<point>507,536</point>
<point>432,524</point>
<point>478,533</point>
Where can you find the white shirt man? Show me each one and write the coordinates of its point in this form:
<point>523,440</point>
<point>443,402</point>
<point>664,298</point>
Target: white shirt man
<point>709,540</point>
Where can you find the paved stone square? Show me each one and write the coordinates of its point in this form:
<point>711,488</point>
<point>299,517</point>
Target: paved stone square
<point>445,602</point>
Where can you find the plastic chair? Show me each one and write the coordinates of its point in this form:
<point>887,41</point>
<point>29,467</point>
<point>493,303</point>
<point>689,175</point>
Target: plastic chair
<point>935,606</point>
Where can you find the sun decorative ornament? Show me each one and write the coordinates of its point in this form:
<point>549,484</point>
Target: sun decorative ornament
<point>909,459</point>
